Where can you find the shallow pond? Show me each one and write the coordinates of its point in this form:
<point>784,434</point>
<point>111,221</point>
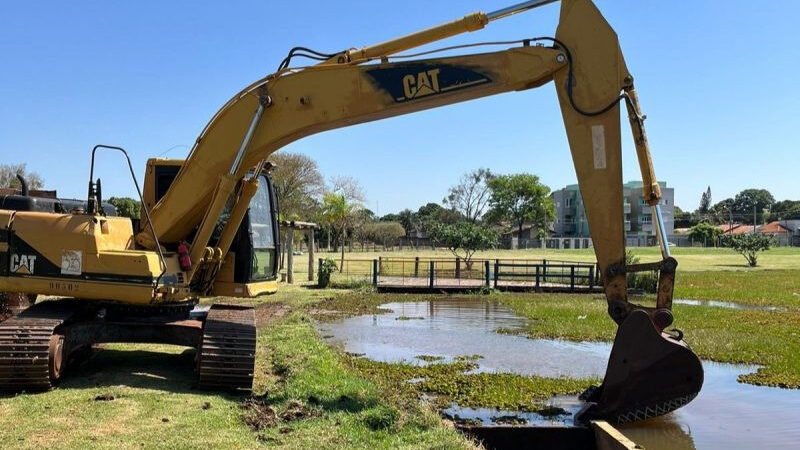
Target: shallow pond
<point>726,413</point>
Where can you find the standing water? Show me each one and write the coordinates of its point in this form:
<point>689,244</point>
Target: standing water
<point>726,413</point>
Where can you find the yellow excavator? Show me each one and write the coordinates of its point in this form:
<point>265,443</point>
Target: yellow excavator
<point>208,225</point>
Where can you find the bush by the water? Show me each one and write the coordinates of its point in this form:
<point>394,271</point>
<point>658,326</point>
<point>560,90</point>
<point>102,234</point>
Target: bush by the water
<point>327,267</point>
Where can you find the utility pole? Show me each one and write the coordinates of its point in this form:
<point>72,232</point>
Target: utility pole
<point>730,218</point>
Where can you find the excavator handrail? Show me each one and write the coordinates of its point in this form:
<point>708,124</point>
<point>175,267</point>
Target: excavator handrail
<point>162,261</point>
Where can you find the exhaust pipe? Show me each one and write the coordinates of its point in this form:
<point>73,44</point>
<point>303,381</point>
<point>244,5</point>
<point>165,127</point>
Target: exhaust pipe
<point>24,184</point>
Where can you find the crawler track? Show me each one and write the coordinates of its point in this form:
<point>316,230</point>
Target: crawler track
<point>31,352</point>
<point>228,351</point>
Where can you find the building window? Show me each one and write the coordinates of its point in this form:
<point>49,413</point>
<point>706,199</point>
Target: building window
<point>646,218</point>
<point>642,201</point>
<point>568,203</point>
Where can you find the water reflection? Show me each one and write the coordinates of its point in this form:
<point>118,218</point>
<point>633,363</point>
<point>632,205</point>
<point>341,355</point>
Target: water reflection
<point>725,414</point>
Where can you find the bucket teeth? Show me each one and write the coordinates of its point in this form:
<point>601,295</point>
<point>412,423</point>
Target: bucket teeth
<point>649,374</point>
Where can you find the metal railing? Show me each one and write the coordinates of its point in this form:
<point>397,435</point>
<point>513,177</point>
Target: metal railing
<point>420,273</point>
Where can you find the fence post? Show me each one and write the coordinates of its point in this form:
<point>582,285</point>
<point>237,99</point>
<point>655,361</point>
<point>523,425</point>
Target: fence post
<point>290,256</point>
<point>375,272</point>
<point>416,267</point>
<point>572,278</point>
<point>311,255</point>
<point>544,271</point>
<point>598,276</point>
<point>380,264</point>
<point>591,278</point>
<point>496,271</point>
<point>431,276</point>
<point>487,272</point>
<point>458,267</point>
<point>538,286</point>
<point>319,270</point>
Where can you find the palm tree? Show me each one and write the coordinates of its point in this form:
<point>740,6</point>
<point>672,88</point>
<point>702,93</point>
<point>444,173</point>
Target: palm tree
<point>339,213</point>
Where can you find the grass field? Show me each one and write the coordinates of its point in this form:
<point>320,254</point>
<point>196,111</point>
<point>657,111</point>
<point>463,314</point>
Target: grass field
<point>689,259</point>
<point>141,396</point>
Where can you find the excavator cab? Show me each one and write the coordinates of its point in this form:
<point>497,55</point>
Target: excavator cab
<point>251,266</point>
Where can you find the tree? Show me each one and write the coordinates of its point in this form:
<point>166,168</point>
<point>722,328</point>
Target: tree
<point>339,214</point>
<point>408,220</point>
<point>383,232</point>
<point>464,239</point>
<point>685,219</point>
<point>722,212</point>
<point>520,199</point>
<point>785,210</point>
<point>470,196</point>
<point>126,207</point>
<point>8,177</point>
<point>749,245</point>
<point>705,202</point>
<point>432,214</point>
<point>298,184</point>
<point>705,232</point>
<point>749,200</point>
<point>342,208</point>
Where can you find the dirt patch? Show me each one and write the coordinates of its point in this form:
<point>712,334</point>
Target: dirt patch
<point>260,415</point>
<point>266,314</point>
<point>296,410</point>
<point>104,398</point>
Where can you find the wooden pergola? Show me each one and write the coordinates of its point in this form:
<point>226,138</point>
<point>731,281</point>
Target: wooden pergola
<point>291,226</point>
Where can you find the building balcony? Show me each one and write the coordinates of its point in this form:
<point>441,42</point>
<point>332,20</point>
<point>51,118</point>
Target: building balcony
<point>647,228</point>
<point>627,225</point>
<point>627,208</point>
<point>646,209</point>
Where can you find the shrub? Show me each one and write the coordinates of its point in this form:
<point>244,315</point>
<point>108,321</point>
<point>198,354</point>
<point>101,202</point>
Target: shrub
<point>749,245</point>
<point>327,267</point>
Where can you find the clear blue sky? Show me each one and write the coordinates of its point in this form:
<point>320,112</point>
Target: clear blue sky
<point>717,79</point>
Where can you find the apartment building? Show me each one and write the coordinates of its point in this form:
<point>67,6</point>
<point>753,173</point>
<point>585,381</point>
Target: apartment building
<point>571,230</point>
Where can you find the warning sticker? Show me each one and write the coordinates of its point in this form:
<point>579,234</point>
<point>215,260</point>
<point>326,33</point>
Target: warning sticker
<point>71,262</point>
<point>599,146</point>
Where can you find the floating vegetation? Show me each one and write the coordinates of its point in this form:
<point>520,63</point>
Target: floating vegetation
<point>467,358</point>
<point>452,383</point>
<point>429,358</point>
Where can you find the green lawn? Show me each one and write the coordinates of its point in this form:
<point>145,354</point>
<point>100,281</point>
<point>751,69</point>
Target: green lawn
<point>756,287</point>
<point>689,259</point>
<point>307,395</point>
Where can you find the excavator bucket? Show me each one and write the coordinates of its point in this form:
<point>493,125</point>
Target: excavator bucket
<point>650,373</point>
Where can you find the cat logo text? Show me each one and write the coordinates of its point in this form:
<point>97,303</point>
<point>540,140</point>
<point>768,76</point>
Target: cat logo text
<point>23,264</point>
